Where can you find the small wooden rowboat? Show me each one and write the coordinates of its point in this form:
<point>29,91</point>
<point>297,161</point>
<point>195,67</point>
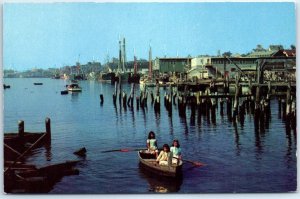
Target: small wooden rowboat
<point>148,162</point>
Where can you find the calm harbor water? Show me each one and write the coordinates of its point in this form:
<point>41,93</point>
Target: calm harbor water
<point>237,159</point>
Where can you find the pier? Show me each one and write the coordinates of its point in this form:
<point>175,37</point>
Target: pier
<point>20,177</point>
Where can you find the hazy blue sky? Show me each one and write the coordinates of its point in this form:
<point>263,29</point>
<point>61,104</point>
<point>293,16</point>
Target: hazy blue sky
<point>53,35</point>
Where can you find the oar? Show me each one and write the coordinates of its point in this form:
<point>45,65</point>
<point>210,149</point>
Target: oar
<point>121,150</point>
<point>198,164</point>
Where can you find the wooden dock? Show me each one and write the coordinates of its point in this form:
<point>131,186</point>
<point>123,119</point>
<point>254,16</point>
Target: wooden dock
<point>20,177</point>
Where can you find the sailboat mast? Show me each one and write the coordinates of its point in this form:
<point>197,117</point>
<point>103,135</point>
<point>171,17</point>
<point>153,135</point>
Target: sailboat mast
<point>120,57</point>
<point>135,66</point>
<point>150,64</point>
<point>124,55</point>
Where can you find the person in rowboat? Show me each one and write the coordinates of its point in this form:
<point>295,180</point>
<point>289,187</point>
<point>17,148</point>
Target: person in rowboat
<point>152,143</point>
<point>176,150</point>
<point>165,156</point>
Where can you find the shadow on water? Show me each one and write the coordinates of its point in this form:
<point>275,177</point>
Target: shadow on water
<point>171,123</point>
<point>160,184</point>
<point>184,124</point>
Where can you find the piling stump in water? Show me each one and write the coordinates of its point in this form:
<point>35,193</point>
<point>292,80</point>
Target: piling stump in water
<point>221,107</point>
<point>283,105</point>
<point>101,98</point>
<point>21,128</point>
<point>48,129</point>
<point>152,97</point>
<point>157,104</point>
<point>124,100</point>
<point>193,103</point>
<point>229,111</point>
<point>114,99</point>
<point>213,113</point>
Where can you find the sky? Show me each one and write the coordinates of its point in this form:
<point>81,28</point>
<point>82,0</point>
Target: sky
<point>57,34</point>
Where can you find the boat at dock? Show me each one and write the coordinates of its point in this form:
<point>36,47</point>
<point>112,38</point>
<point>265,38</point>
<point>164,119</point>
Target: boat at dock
<point>148,161</point>
<point>146,82</point>
<point>74,87</point>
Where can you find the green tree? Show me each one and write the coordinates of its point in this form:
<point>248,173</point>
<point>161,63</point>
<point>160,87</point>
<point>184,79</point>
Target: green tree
<point>293,47</point>
<point>227,54</point>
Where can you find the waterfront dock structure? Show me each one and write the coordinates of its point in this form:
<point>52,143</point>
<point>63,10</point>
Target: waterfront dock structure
<point>20,177</point>
<point>242,82</point>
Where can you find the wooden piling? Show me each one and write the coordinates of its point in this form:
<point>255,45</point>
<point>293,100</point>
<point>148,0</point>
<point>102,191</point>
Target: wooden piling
<point>124,99</point>
<point>21,128</point>
<point>157,104</point>
<point>213,112</point>
<point>293,115</point>
<point>152,97</point>
<point>101,98</point>
<point>236,98</point>
<point>279,107</point>
<point>283,105</point>
<point>208,107</point>
<point>48,128</point>
<point>228,108</point>
<point>114,99</point>
<point>221,107</point>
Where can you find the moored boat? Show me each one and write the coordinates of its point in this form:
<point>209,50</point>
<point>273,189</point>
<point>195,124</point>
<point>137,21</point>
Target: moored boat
<point>148,161</point>
<point>6,86</point>
<point>74,88</point>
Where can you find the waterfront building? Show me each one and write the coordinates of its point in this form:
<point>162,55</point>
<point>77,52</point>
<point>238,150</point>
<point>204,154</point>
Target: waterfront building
<point>172,65</point>
<point>217,67</point>
<point>198,73</point>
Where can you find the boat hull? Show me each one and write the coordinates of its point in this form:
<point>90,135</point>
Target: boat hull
<point>74,89</point>
<point>148,162</point>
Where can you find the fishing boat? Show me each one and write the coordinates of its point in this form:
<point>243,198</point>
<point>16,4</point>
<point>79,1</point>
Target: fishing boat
<point>74,87</point>
<point>148,161</point>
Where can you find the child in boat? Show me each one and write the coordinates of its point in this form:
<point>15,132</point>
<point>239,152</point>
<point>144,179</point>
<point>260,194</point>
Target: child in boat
<point>176,150</point>
<point>152,143</point>
<point>165,156</point>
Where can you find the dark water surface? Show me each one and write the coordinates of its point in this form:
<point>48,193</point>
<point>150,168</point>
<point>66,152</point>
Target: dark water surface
<point>238,158</point>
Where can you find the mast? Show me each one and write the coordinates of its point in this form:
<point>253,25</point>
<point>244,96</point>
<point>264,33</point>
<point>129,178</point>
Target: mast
<point>120,57</point>
<point>135,66</point>
<point>150,64</point>
<point>124,55</point>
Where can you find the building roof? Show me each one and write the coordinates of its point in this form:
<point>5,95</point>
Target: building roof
<point>174,58</point>
<point>285,53</point>
<point>261,53</point>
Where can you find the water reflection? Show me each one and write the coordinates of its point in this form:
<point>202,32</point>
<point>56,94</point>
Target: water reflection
<point>48,153</point>
<point>133,117</point>
<point>74,96</point>
<point>184,124</point>
<point>237,139</point>
<point>171,124</point>
<point>160,184</point>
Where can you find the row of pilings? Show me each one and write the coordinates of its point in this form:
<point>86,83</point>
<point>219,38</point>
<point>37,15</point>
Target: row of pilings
<point>205,104</point>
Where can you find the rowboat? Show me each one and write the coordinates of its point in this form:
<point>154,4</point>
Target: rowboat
<point>148,161</point>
